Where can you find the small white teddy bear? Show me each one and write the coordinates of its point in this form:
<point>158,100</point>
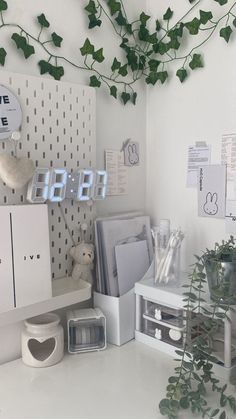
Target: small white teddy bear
<point>83,255</point>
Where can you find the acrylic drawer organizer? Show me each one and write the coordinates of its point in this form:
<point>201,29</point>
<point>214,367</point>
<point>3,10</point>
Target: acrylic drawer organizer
<point>86,330</point>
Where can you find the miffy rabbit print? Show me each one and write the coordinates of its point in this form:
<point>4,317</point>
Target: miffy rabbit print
<point>212,191</point>
<point>131,153</point>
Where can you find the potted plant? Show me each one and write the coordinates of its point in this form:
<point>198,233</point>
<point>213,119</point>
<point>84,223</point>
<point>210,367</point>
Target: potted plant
<point>194,377</point>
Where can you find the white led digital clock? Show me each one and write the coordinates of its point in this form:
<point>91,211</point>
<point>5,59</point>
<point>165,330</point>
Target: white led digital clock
<point>55,185</point>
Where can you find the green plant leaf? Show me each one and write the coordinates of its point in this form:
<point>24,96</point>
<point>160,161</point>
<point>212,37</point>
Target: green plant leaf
<point>162,76</point>
<point>226,33</point>
<point>182,74</point>
<point>144,18</point>
<point>93,21</point>
<point>113,91</point>
<point>56,39</point>
<point>205,17</point>
<point>3,54</point>
<point>153,64</point>
<point>196,62</point>
<point>184,403</point>
<point>168,14</point>
<point>91,7</point>
<point>56,72</point>
<point>193,26</point>
<point>120,19</point>
<point>98,55</point>
<point>3,5</point>
<point>123,70</point>
<point>87,48</point>
<point>94,82</point>
<point>125,97</point>
<point>115,65</point>
<point>132,59</point>
<point>158,25</point>
<point>43,21</point>
<point>222,415</point>
<point>222,2</point>
<point>143,33</point>
<point>21,43</point>
<point>152,78</point>
<point>44,66</point>
<point>234,22</point>
<point>114,6</point>
<point>134,98</point>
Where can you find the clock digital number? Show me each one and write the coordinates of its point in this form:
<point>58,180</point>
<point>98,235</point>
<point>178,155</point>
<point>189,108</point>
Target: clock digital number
<point>57,189</point>
<point>100,185</point>
<point>53,185</point>
<point>38,187</point>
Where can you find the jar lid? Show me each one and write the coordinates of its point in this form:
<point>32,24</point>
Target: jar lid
<point>42,322</point>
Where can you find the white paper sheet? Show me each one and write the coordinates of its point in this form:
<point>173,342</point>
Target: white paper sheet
<point>132,263</point>
<point>212,191</point>
<point>117,173</point>
<point>197,156</point>
<point>228,154</point>
<point>230,217</point>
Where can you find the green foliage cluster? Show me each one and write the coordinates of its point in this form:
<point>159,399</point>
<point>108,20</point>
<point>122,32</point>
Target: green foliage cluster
<point>194,377</point>
<point>147,53</point>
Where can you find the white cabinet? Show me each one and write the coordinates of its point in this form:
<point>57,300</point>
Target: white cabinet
<point>25,268</point>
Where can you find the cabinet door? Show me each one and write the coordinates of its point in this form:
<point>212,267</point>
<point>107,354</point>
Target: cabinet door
<point>31,250</point>
<point>7,289</point>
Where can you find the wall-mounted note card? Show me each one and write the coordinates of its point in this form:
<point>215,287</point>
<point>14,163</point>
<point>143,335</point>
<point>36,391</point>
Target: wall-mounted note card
<point>228,154</point>
<point>198,155</point>
<point>212,191</point>
<point>230,217</point>
<point>117,173</point>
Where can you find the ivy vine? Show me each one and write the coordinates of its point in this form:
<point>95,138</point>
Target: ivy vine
<point>147,54</point>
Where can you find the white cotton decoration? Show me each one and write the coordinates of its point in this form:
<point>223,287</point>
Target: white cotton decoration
<point>15,172</point>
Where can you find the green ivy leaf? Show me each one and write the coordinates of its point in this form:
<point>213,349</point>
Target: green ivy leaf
<point>43,21</point>
<point>158,25</point>
<point>143,33</point>
<point>129,28</point>
<point>144,18</point>
<point>115,65</point>
<point>44,66</point>
<point>2,56</point>
<point>168,14</point>
<point>234,22</point>
<point>91,7</point>
<point>226,33</point>
<point>181,73</point>
<point>56,72</point>
<point>56,39</point>
<point>153,64</point>
<point>93,21</point>
<point>205,17</point>
<point>113,91</point>
<point>184,403</point>
<point>21,43</point>
<point>114,6</point>
<point>196,62</point>
<point>222,415</point>
<point>123,70</point>
<point>87,48</point>
<point>161,48</point>
<point>98,55</point>
<point>125,97</point>
<point>222,2</point>
<point>94,82</point>
<point>152,78</point>
<point>162,76</point>
<point>132,60</point>
<point>120,19</point>
<point>3,5</point>
<point>193,26</point>
<point>134,98</point>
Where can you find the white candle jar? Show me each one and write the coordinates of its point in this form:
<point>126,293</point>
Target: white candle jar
<point>42,341</point>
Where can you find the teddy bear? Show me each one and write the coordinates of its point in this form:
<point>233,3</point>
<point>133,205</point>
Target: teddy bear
<point>83,255</point>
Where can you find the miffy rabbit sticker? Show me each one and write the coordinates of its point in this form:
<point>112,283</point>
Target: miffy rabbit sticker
<point>131,154</point>
<point>210,207</point>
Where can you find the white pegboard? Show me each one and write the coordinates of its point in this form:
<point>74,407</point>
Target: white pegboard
<point>58,130</point>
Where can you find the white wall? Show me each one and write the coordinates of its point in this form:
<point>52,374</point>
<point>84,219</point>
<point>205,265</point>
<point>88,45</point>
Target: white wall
<point>202,108</point>
<point>115,123</point>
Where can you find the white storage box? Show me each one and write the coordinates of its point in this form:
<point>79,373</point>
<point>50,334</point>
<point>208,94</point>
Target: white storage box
<point>120,316</point>
<point>86,330</point>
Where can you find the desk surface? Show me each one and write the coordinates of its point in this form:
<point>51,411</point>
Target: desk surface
<point>119,383</point>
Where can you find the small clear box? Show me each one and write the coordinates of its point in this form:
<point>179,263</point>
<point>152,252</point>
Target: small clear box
<point>86,330</point>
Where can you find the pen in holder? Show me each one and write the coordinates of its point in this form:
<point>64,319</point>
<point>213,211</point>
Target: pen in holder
<point>166,259</point>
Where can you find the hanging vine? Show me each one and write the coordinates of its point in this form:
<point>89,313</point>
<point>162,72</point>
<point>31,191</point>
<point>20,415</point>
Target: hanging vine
<point>147,54</point>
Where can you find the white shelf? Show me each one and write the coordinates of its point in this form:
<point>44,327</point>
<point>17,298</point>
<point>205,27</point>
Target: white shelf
<point>65,292</point>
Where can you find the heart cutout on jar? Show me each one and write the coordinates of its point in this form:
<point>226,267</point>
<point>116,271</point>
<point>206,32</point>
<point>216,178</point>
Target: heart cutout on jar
<point>15,172</point>
<point>41,350</point>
